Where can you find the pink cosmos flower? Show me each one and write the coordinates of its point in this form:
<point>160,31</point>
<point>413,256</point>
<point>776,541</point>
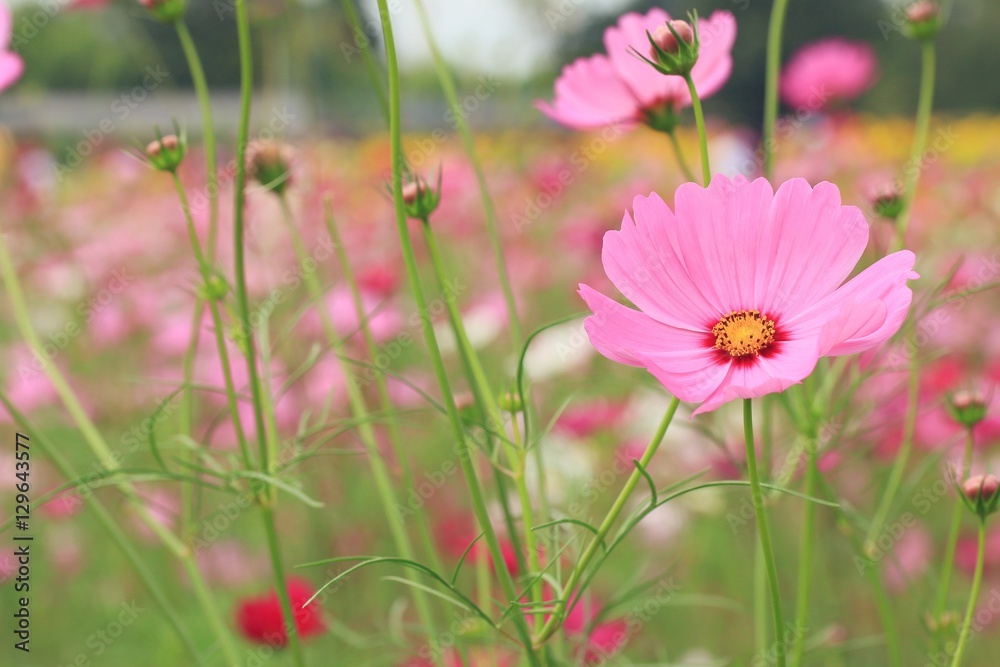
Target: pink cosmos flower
<point>11,65</point>
<point>619,88</point>
<point>826,72</point>
<point>740,288</point>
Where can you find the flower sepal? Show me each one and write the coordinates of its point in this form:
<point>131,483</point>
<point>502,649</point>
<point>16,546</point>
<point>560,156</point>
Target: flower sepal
<point>673,47</point>
<point>981,494</point>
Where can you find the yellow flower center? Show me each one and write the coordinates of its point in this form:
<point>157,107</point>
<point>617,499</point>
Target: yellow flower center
<point>743,332</point>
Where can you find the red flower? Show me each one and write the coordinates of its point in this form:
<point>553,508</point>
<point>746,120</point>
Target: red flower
<point>260,619</point>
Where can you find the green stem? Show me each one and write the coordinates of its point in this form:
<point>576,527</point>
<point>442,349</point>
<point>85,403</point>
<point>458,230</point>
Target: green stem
<point>699,119</point>
<point>220,340</point>
<point>764,532</point>
<point>805,558</point>
<point>373,70</point>
<point>246,93</point>
<point>970,610</point>
<point>93,437</point>
<point>383,480</point>
<point>208,131</point>
<point>558,614</point>
<point>409,259</point>
<point>150,580</point>
<point>949,555</point>
<point>685,169</point>
<point>775,32</point>
<point>459,114</point>
<point>371,348</point>
<point>923,124</point>
<point>485,398</point>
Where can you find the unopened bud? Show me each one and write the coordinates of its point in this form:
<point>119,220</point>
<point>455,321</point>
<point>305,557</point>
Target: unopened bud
<point>981,487</point>
<point>510,401</point>
<point>888,204</point>
<point>421,199</point>
<point>673,48</point>
<point>664,38</point>
<point>168,11</point>
<point>923,19</point>
<point>269,163</point>
<point>166,153</point>
<point>967,407</point>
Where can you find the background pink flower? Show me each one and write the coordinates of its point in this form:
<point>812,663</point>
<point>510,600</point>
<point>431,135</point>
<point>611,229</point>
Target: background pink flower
<point>620,88</point>
<point>826,72</point>
<point>11,64</point>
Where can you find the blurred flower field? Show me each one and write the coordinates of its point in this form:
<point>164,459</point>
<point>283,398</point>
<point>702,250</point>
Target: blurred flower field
<point>376,400</point>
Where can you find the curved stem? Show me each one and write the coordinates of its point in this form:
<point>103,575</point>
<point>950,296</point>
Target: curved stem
<point>356,400</point>
<point>208,131</point>
<point>951,544</point>
<point>485,398</point>
<point>458,117</point>
<point>922,128</point>
<point>970,610</point>
<point>427,326</point>
<point>373,71</point>
<point>555,620</point>
<point>681,162</point>
<point>100,447</point>
<point>764,532</point>
<point>775,32</point>
<point>371,348</point>
<point>699,119</point>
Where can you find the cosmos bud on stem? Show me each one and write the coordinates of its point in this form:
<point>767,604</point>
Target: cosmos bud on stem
<point>166,153</point>
<point>673,47</point>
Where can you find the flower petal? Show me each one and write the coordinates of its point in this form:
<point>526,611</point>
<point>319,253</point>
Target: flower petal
<point>683,361</point>
<point>645,262</point>
<point>810,245</point>
<point>719,230</point>
<point>590,94</point>
<point>865,311</point>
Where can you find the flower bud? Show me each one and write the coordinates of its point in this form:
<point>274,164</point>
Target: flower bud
<point>981,487</point>
<point>888,204</point>
<point>166,153</point>
<point>168,11</point>
<point>967,407</point>
<point>269,163</point>
<point>673,48</point>
<point>663,37</point>
<point>421,199</point>
<point>980,494</point>
<point>510,401</point>
<point>214,289</point>
<point>923,20</point>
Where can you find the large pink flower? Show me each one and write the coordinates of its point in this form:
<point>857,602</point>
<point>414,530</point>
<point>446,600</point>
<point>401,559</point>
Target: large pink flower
<point>619,88</point>
<point>740,290</point>
<point>11,64</point>
<point>826,72</point>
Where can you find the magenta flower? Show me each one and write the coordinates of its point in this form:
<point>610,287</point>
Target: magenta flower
<point>826,72</point>
<point>11,64</point>
<point>740,290</point>
<point>619,88</point>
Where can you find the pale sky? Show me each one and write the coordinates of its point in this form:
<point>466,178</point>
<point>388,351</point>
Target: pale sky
<point>501,37</point>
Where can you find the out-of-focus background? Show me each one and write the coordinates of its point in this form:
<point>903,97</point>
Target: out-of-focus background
<point>82,54</point>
